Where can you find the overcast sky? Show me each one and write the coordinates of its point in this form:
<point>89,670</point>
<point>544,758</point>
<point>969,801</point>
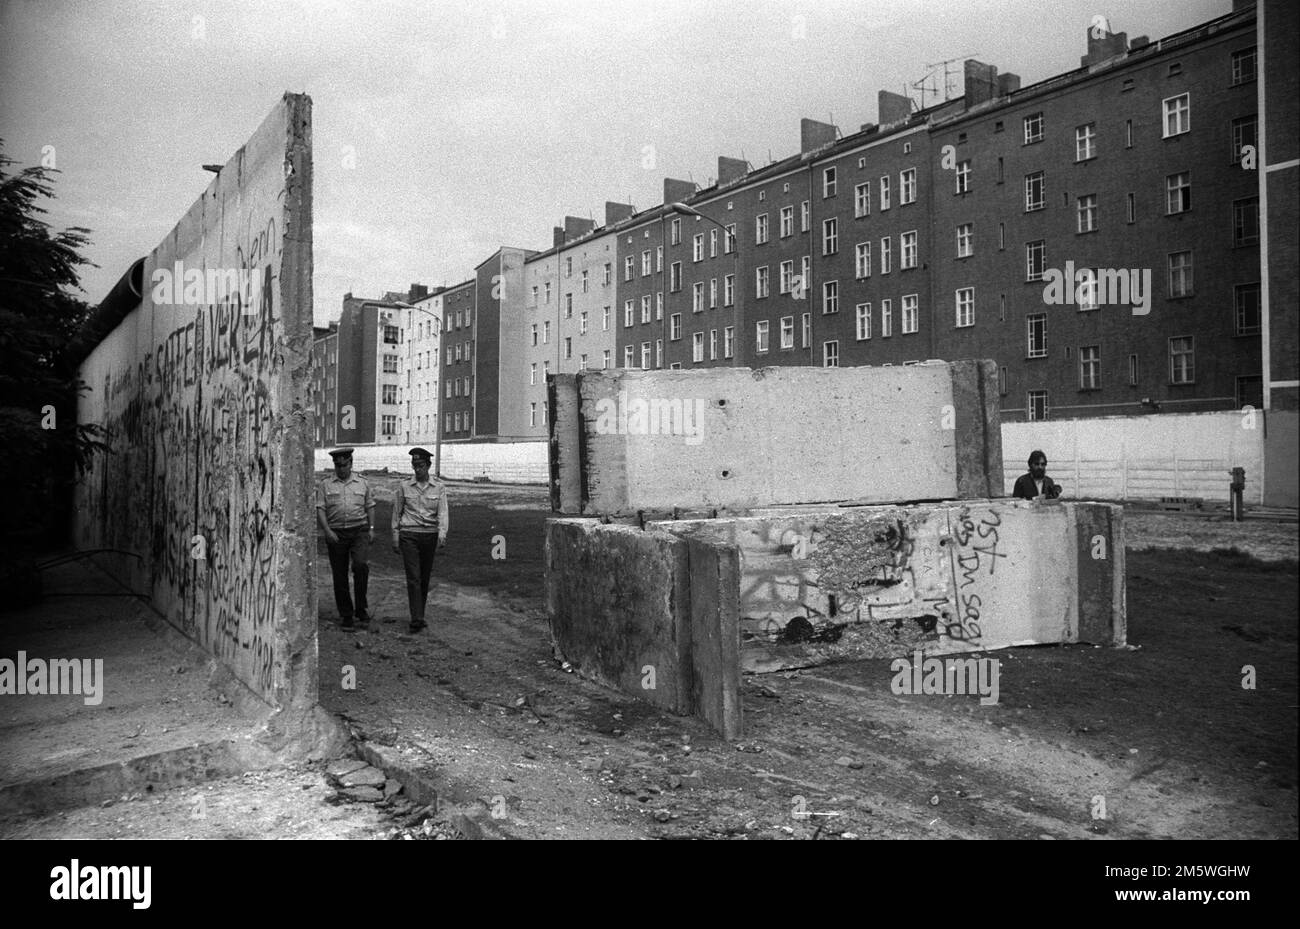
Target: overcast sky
<point>443,130</point>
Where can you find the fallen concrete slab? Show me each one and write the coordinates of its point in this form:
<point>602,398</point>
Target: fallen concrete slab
<point>689,604</point>
<point>627,440</point>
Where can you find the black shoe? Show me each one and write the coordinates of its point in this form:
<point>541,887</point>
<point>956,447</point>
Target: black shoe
<point>346,622</point>
<point>416,627</point>
<point>363,617</point>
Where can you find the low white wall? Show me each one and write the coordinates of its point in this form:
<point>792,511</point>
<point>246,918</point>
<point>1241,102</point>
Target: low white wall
<point>1143,457</point>
<point>503,463</point>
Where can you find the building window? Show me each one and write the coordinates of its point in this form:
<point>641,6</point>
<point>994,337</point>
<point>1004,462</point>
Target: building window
<point>909,310</point>
<point>862,200</point>
<point>831,297</point>
<point>713,345</point>
<point>760,282</point>
<point>965,240</point>
<point>1033,128</point>
<point>886,318</point>
<point>760,229</point>
<point>965,307</point>
<point>1178,115</point>
<point>884,193</point>
<point>568,346</point>
<point>1087,213</point>
<point>713,293</point>
<point>1182,360</point>
<point>568,306</point>
<point>1245,221</point>
<point>609,273</point>
<point>1246,305</point>
<point>627,356</point>
<point>1036,405</point>
<point>1243,66</point>
<point>546,333</point>
<point>582,323</point>
<point>675,326</point>
<point>388,424</point>
<point>697,297</point>
<point>645,356</point>
<point>629,267</point>
<point>805,330</point>
<point>1035,191</point>
<point>787,221</point>
<point>697,247</point>
<point>713,243</point>
<point>532,374</point>
<point>389,393</point>
<point>728,341</point>
<point>963,176</point>
<point>675,276</point>
<point>787,332</point>
<point>785,277</point>
<point>659,305</point>
<point>645,263</point>
<point>1086,289</point>
<point>392,335</point>
<point>1245,131</point>
<point>805,216</point>
<point>1085,142</point>
<point>568,266</point>
<point>659,259</point>
<point>862,260</point>
<point>697,347</point>
<point>729,239</point>
<point>1002,381</point>
<point>1180,274</point>
<point>863,321</point>
<point>829,183</point>
<point>907,186</point>
<point>675,232</point>
<point>1178,192</point>
<point>760,335</point>
<point>1090,367</point>
<point>447,384</point>
<point>1035,260</point>
<point>1132,370</point>
<point>1131,209</point>
<point>1036,335</point>
<point>830,236</point>
<point>604,360</point>
<point>831,354</point>
<point>907,250</point>
<point>628,316</point>
<point>390,364</point>
<point>585,282</point>
<point>729,290</point>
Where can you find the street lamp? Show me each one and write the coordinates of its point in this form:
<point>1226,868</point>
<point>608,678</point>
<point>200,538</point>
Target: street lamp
<point>437,419</point>
<point>685,210</point>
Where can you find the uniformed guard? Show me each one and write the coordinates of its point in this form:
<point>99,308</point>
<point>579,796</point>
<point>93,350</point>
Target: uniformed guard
<point>345,510</point>
<point>420,521</point>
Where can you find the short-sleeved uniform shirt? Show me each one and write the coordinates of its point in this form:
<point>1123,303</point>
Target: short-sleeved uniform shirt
<point>424,507</point>
<point>344,502</point>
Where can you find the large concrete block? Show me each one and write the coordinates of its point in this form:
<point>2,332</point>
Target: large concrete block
<point>731,438</point>
<point>794,586</point>
<point>203,389</point>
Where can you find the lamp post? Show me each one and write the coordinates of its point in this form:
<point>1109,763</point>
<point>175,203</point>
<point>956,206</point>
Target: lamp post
<point>685,210</point>
<point>437,419</point>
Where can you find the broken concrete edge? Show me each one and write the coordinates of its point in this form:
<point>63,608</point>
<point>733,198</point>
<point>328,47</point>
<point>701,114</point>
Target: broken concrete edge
<point>426,790</point>
<point>166,770</point>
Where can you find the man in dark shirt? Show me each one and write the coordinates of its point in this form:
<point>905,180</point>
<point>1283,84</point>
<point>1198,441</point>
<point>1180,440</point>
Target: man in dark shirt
<point>1036,484</point>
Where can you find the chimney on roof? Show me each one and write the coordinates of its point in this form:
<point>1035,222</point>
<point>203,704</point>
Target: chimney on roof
<point>813,135</point>
<point>348,295</point>
<point>892,107</point>
<point>417,292</point>
<point>557,236</point>
<point>575,227</point>
<point>868,127</point>
<point>676,191</point>
<point>981,82</point>
<point>1008,83</point>
<point>1137,42</point>
<point>1103,45</point>
<point>730,168</point>
<point>617,212</point>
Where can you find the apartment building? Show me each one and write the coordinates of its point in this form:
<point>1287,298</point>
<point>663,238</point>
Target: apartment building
<point>456,363</point>
<point>419,365</point>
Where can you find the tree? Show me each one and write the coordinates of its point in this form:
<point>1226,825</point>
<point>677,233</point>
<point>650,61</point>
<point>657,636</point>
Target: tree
<point>44,447</point>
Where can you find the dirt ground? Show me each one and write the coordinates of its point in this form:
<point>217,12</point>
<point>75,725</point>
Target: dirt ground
<point>1156,741</point>
<point>1162,735</point>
